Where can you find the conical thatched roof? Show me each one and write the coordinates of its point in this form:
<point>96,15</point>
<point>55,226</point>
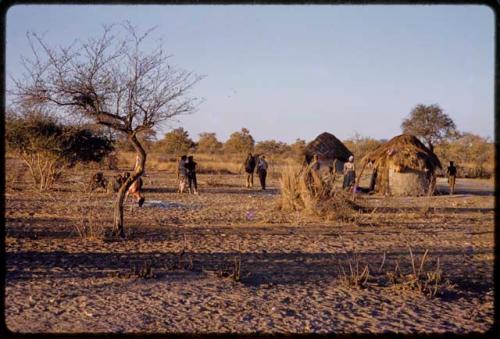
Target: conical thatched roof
<point>328,146</point>
<point>404,151</point>
<point>404,167</point>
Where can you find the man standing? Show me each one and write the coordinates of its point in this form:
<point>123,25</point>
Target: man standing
<point>182,173</point>
<point>249,169</point>
<point>452,173</point>
<point>262,171</point>
<point>191,175</point>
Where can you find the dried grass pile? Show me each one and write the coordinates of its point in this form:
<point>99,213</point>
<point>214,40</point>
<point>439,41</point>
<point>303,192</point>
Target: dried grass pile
<point>407,156</point>
<point>306,191</point>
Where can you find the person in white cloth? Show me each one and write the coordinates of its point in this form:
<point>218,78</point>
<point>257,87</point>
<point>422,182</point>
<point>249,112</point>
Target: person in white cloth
<point>349,174</point>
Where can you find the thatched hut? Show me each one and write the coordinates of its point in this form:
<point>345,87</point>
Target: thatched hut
<point>403,166</point>
<point>329,151</point>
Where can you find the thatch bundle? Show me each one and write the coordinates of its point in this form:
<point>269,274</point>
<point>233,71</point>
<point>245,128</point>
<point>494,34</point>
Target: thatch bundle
<point>327,146</point>
<point>404,166</point>
<point>307,191</point>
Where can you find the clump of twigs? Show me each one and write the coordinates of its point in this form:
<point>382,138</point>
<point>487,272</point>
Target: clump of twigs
<point>230,271</point>
<point>353,274</point>
<point>184,259</point>
<point>429,282</point>
<point>90,224</point>
<point>354,277</point>
<point>142,270</point>
<point>307,191</point>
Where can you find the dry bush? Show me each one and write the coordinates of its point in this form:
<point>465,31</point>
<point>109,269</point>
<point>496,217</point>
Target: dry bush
<point>143,270</point>
<point>429,282</point>
<point>232,271</point>
<point>306,191</point>
<point>90,224</point>
<point>355,276</point>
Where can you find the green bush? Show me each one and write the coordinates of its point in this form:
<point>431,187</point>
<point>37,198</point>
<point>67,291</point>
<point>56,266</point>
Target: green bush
<point>47,146</point>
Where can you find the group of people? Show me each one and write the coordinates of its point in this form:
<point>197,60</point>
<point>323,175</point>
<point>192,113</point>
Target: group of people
<point>186,174</point>
<point>350,176</point>
<point>256,162</point>
<point>349,171</point>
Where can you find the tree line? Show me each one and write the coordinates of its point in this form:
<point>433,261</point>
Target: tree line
<point>112,91</point>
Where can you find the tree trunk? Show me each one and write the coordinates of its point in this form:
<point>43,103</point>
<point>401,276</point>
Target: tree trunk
<point>120,198</point>
<point>431,146</point>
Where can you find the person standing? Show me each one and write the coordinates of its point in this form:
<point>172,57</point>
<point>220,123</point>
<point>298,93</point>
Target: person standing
<point>182,173</point>
<point>249,169</point>
<point>452,173</point>
<point>262,171</point>
<point>191,175</point>
<point>349,174</point>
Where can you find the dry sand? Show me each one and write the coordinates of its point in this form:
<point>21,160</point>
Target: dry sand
<point>58,281</point>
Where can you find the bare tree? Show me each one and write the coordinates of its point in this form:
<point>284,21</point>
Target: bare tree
<point>112,80</point>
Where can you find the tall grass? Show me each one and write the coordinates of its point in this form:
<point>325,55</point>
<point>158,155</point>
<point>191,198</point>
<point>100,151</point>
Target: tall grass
<point>207,163</point>
<point>304,189</point>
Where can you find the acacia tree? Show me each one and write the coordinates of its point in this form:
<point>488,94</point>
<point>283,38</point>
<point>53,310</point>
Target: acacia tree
<point>430,124</point>
<point>112,80</point>
<point>176,142</point>
<point>208,143</point>
<point>240,142</point>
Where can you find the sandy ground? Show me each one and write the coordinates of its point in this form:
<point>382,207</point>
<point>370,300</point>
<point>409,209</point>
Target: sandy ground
<point>291,276</point>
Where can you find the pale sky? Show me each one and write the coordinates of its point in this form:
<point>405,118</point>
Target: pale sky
<point>287,72</point>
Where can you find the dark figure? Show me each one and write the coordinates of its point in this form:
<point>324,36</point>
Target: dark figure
<point>452,173</point>
<point>191,175</point>
<point>249,169</point>
<point>98,180</point>
<point>182,173</point>
<point>349,174</point>
<point>119,180</point>
<point>262,171</point>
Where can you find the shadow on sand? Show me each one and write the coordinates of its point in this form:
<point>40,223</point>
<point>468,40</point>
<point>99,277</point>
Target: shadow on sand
<point>256,268</point>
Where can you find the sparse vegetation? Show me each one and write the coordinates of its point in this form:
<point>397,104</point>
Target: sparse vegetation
<point>428,281</point>
<point>307,190</point>
<point>48,147</point>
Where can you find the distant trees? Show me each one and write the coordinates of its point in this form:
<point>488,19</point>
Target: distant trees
<point>473,154</point>
<point>298,148</point>
<point>176,142</point>
<point>208,143</point>
<point>430,124</point>
<point>360,146</point>
<point>271,147</point>
<point>47,147</point>
<point>239,142</point>
<point>113,80</point>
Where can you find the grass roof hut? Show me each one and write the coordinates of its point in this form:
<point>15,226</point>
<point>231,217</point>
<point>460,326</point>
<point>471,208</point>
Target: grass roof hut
<point>403,166</point>
<point>329,150</point>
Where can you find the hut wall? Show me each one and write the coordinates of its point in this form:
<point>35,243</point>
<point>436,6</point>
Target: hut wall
<point>326,163</point>
<point>408,182</point>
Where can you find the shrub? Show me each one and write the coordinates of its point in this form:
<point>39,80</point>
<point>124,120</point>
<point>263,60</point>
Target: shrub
<point>175,142</point>
<point>47,146</point>
<point>239,142</point>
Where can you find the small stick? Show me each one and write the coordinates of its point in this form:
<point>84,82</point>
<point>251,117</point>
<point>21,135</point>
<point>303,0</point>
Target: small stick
<point>382,265</point>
